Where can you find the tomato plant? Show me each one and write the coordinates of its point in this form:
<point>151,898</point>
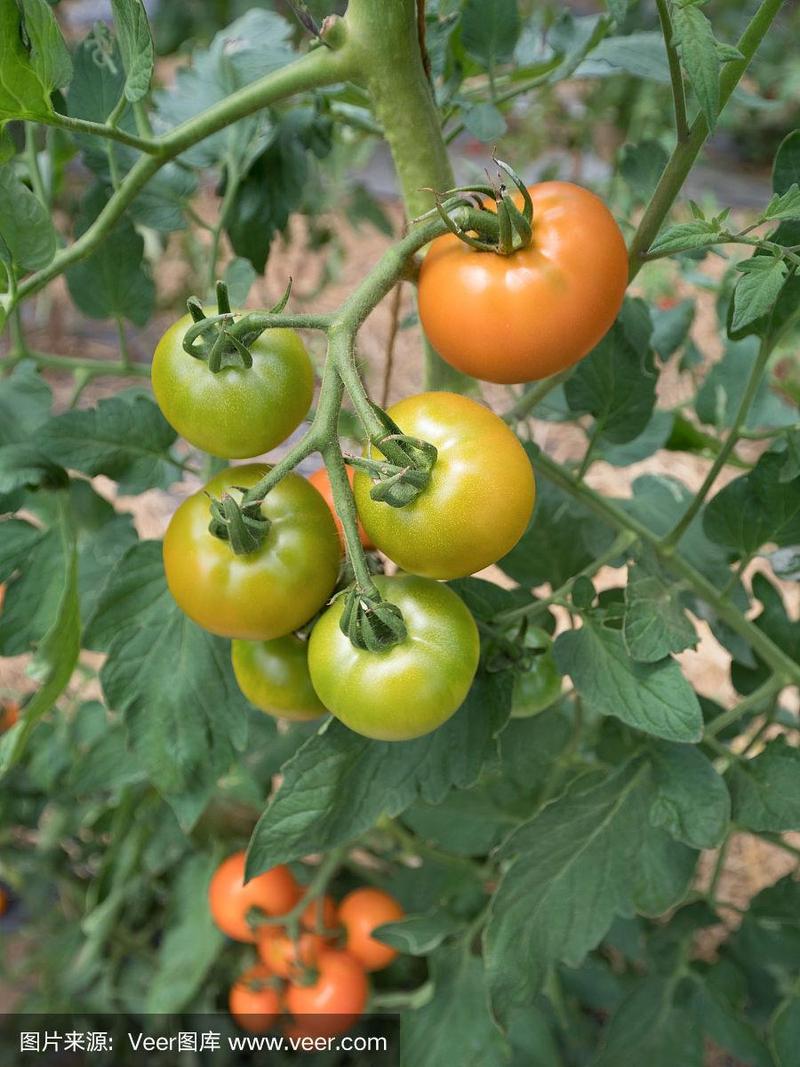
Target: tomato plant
<point>413,687</point>
<point>552,816</point>
<point>236,412</point>
<point>478,501</point>
<point>263,594</point>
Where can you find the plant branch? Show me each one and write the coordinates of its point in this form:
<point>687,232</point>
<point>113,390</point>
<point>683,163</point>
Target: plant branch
<point>753,702</point>
<point>101,129</point>
<point>686,152</point>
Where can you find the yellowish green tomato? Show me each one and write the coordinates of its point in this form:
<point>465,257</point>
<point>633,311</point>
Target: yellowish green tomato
<point>409,689</point>
<point>274,676</point>
<point>238,412</point>
<point>540,686</point>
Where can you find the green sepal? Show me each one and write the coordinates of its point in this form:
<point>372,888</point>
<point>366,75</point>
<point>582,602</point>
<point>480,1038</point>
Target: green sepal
<point>243,527</point>
<point>372,624</point>
<point>406,471</point>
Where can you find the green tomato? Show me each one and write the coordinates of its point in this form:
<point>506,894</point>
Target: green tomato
<point>266,593</point>
<point>540,686</point>
<point>274,676</point>
<point>411,688</point>
<point>237,412</point>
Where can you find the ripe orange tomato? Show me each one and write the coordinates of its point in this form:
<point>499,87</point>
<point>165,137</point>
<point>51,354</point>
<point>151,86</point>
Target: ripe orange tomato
<point>525,316</point>
<point>5,901</point>
<point>359,913</point>
<point>320,914</point>
<point>275,892</point>
<point>322,483</point>
<point>285,957</point>
<point>254,1005</point>
<point>339,991</point>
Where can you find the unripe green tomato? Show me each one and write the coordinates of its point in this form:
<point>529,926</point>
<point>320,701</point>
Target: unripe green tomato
<point>262,594</point>
<point>409,689</point>
<point>274,676</point>
<point>237,412</point>
<point>477,503</point>
<point>540,686</point>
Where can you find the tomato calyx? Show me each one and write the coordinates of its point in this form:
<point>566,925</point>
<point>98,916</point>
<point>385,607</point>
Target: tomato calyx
<point>218,339</point>
<point>405,472</point>
<point>508,229</point>
<point>371,623</point>
<point>243,525</point>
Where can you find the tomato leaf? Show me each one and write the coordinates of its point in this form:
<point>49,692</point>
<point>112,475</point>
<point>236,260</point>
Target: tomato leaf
<point>616,382</point>
<point>757,290</point>
<point>755,509</point>
<point>339,783</point>
<point>699,54</point>
<point>172,681</point>
<point>765,790</point>
<point>587,856</point>
<point>655,1024</point>
<point>490,33</point>
<point>125,437</point>
<point>419,935</point>
<point>652,697</point>
<point>655,623</point>
<point>33,59</point>
<point>719,396</point>
<point>26,229</point>
<point>458,1007</point>
<point>136,46</point>
<point>691,802</point>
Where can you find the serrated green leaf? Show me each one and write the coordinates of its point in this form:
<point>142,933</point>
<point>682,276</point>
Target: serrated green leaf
<point>686,236</point>
<point>671,327</point>
<point>419,935</point>
<point>184,714</point>
<point>33,59</point>
<point>458,1006</point>
<point>135,45</point>
<point>757,290</point>
<point>652,697</point>
<point>784,205</point>
<point>616,383</point>
<point>485,122</point>
<point>25,224</point>
<point>125,437</point>
<point>653,1026</point>
<point>755,509</point>
<point>584,858</point>
<point>719,396</point>
<point>490,33</point>
<point>314,808</point>
<point>765,790</point>
<point>655,623</point>
<point>699,54</point>
<point>692,801</point>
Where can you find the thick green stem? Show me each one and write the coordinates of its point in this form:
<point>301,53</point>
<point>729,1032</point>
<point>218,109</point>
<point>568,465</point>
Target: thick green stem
<point>101,129</point>
<point>786,667</point>
<point>686,152</point>
<point>384,38</point>
<point>346,510</point>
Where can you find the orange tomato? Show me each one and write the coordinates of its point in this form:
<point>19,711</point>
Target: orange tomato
<point>525,316</point>
<point>275,891</point>
<point>285,957</point>
<point>322,483</point>
<point>332,1003</point>
<point>360,913</point>
<point>9,714</point>
<point>5,901</point>
<point>320,914</point>
<point>254,1005</point>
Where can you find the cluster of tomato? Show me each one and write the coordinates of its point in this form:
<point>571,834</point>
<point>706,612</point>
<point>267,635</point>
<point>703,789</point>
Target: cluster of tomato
<point>315,982</point>
<point>503,318</point>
